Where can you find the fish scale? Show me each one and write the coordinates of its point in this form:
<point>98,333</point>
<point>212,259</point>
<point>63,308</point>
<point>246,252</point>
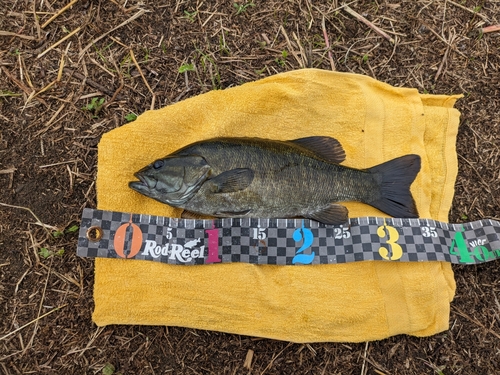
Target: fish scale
<point>109,234</point>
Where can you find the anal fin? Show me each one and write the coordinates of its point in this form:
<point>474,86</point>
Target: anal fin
<point>332,214</point>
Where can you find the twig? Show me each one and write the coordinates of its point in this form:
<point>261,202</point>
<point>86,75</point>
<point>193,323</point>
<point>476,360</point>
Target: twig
<point>95,335</point>
<point>132,56</point>
<point>39,307</point>
<point>8,33</point>
<point>327,43</point>
<point>359,17</point>
<point>47,126</point>
<point>248,360</point>
<point>46,88</point>
<point>445,57</point>
<point>490,29</point>
<point>59,42</point>
<point>60,163</point>
<point>59,75</point>
<point>8,170</point>
<point>61,63</point>
<point>468,10</point>
<point>290,47</point>
<point>64,9</point>
<point>33,321</point>
<point>22,86</point>
<point>375,364</point>
<point>461,313</point>
<point>306,61</point>
<point>89,82</point>
<point>136,15</point>
<point>274,359</point>
<point>31,212</point>
<point>364,359</point>
<point>37,24</point>
<point>485,184</point>
<point>443,40</point>
<point>22,66</point>
<point>153,101</point>
<point>120,88</point>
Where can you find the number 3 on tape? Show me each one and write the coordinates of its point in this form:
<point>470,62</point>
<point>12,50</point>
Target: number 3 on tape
<point>392,236</point>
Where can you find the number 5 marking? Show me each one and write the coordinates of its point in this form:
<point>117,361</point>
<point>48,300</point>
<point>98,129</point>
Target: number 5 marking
<point>392,237</point>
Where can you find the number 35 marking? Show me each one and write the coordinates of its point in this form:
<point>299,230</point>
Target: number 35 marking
<point>429,232</point>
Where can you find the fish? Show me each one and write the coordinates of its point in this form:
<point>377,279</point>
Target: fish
<point>263,178</point>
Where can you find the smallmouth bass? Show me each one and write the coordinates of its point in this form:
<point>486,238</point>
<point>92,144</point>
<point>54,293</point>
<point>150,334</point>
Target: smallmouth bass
<point>253,177</point>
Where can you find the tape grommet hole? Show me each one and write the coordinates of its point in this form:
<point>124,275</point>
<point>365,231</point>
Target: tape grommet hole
<point>94,233</point>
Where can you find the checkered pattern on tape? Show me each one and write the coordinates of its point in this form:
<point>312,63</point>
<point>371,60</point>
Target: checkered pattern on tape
<point>426,243</point>
<point>93,249</point>
<point>492,234</point>
<point>241,240</point>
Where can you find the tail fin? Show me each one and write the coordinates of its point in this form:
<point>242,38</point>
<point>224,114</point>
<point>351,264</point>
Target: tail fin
<point>395,177</point>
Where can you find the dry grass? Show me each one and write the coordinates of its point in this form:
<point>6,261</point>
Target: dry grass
<point>54,60</point>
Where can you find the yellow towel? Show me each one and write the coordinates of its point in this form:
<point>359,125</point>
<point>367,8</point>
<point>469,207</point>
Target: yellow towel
<point>352,302</point>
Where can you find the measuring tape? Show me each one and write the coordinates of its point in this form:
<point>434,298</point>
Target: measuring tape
<point>108,234</point>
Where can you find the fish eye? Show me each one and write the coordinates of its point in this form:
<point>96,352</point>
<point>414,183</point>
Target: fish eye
<point>158,164</point>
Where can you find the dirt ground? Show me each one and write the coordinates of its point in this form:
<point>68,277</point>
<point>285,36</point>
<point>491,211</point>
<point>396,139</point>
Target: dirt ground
<point>66,81</point>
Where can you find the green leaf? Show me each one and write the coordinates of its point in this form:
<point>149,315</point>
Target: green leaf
<point>108,369</point>
<point>7,93</point>
<point>95,104</point>
<point>44,252</point>
<point>57,234</point>
<point>72,229</point>
<point>241,8</point>
<point>131,117</point>
<point>190,15</point>
<point>60,252</point>
<point>186,68</point>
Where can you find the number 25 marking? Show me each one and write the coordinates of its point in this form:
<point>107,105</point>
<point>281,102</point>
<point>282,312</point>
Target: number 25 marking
<point>341,232</point>
<point>392,237</point>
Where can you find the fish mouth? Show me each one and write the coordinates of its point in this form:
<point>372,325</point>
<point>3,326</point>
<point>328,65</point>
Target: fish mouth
<point>144,183</point>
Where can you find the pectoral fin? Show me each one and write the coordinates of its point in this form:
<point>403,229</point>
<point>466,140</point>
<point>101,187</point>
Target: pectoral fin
<point>325,147</point>
<point>233,180</point>
<point>332,214</point>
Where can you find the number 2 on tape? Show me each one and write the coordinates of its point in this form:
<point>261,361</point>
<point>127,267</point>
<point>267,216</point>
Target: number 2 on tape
<point>392,236</point>
<point>308,237</point>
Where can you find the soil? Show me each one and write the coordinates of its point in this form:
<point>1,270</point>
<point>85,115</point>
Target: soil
<point>48,157</point>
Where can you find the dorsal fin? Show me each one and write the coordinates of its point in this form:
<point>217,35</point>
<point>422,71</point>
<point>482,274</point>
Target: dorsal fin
<point>325,147</point>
